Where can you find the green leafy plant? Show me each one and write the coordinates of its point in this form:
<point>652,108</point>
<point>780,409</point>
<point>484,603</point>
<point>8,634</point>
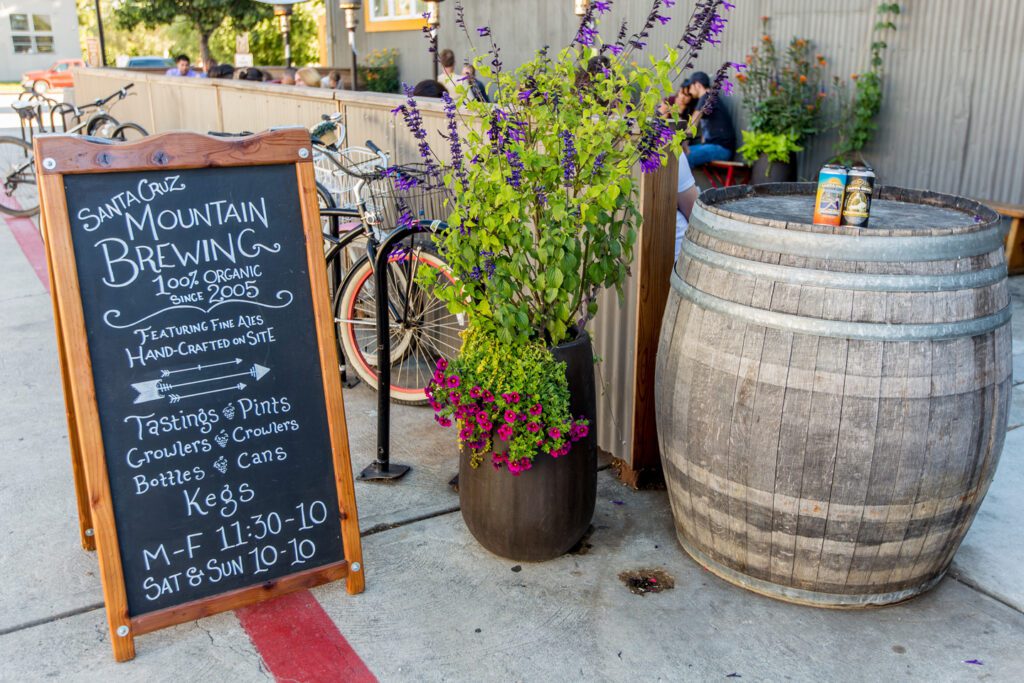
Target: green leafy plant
<point>379,71</point>
<point>524,404</point>
<point>783,96</point>
<point>544,204</point>
<point>857,110</point>
<point>775,146</point>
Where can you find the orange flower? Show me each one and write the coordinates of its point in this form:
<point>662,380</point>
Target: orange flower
<point>750,58</point>
<point>766,38</point>
<point>821,94</point>
<point>821,61</point>
<point>810,107</point>
<point>854,77</point>
<point>765,18</point>
<point>803,79</point>
<point>742,78</point>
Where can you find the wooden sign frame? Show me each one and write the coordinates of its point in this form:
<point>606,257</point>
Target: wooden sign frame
<point>60,155</point>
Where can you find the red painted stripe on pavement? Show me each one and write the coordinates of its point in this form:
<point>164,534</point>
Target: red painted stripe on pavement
<point>26,234</point>
<point>299,642</point>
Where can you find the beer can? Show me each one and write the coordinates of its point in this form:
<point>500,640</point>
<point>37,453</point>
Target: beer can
<point>857,201</point>
<point>828,203</point>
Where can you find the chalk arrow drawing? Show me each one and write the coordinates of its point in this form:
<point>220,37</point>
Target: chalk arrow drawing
<point>174,398</point>
<point>156,389</point>
<point>166,373</point>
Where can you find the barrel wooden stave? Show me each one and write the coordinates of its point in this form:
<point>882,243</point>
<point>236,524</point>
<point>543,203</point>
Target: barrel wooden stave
<point>829,470</point>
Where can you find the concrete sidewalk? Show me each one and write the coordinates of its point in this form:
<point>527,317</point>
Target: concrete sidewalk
<point>438,607</point>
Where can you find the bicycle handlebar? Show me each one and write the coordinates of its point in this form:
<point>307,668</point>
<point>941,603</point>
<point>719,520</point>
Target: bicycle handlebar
<point>374,148</point>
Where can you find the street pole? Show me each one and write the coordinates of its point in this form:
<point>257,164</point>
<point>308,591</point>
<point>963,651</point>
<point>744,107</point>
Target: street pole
<point>283,12</point>
<point>99,27</point>
<point>434,21</point>
<point>351,20</point>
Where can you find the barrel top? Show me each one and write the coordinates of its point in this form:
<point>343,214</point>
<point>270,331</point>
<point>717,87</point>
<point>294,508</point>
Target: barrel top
<point>893,211</point>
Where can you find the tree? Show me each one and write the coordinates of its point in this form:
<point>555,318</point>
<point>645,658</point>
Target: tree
<point>265,40</point>
<point>205,15</point>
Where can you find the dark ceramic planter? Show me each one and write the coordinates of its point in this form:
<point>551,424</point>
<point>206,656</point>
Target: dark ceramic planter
<point>765,171</point>
<point>545,511</point>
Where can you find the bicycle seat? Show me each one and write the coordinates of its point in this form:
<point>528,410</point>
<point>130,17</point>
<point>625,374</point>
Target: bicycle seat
<point>25,110</point>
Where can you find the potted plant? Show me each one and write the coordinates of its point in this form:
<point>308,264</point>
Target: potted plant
<point>856,110</point>
<point>783,97</point>
<point>543,216</point>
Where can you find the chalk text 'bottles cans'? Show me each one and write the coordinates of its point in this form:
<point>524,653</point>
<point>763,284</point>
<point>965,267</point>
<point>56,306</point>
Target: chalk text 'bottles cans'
<point>857,202</point>
<point>828,203</point>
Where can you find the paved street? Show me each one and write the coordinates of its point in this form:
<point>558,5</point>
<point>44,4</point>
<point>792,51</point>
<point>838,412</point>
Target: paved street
<point>437,606</point>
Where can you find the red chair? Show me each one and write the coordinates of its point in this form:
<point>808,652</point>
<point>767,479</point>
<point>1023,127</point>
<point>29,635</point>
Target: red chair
<point>726,173</point>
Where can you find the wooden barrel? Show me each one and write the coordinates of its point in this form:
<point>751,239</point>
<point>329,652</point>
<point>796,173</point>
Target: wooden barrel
<point>832,401</point>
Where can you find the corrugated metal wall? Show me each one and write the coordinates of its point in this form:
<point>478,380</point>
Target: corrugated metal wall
<point>954,84</point>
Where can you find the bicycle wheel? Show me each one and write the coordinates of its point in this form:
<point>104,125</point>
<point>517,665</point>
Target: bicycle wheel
<point>421,328</point>
<point>19,193</point>
<point>127,132</point>
<point>101,125</point>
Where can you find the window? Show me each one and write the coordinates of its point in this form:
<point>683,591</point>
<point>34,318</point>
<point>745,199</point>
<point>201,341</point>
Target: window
<point>395,15</point>
<point>30,37</point>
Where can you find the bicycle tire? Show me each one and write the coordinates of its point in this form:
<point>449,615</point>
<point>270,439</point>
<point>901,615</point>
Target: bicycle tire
<point>14,153</point>
<point>100,122</point>
<point>416,344</point>
<point>119,132</point>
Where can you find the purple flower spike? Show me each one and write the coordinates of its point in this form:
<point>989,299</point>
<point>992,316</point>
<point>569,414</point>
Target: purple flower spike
<point>483,31</point>
<point>602,7</point>
<point>568,156</point>
<point>525,95</point>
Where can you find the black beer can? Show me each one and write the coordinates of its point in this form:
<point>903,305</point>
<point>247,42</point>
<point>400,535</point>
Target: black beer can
<point>857,200</point>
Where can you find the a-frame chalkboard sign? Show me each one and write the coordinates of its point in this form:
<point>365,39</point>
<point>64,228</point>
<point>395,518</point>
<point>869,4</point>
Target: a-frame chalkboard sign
<point>200,372</point>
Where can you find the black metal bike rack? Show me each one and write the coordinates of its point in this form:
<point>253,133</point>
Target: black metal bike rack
<point>382,469</point>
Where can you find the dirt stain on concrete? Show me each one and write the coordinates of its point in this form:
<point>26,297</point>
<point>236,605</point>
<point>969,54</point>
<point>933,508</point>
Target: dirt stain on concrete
<point>643,581</point>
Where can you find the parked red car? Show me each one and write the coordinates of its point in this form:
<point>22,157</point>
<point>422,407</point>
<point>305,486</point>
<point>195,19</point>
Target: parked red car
<point>57,76</point>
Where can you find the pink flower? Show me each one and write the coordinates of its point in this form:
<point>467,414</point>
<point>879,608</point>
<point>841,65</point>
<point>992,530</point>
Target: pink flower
<point>536,409</point>
<point>443,421</point>
<point>505,432</point>
<point>455,397</point>
<point>483,416</point>
<point>510,416</point>
<point>555,433</point>
<point>475,392</point>
<point>434,404</point>
<point>533,427</point>
<point>438,377</point>
<point>488,397</point>
<point>442,364</point>
<point>453,381</point>
<point>515,397</point>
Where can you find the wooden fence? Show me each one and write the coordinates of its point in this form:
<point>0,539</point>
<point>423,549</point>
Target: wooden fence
<point>625,332</point>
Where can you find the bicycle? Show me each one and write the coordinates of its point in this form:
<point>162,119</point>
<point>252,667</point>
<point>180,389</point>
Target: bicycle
<point>393,207</point>
<point>19,195</point>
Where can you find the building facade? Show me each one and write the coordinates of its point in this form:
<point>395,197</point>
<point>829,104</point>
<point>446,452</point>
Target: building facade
<point>954,71</point>
<point>36,33</point>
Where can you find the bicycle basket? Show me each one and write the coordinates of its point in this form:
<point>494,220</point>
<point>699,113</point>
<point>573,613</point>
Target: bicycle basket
<point>401,195</point>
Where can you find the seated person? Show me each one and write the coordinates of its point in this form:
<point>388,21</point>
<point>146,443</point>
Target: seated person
<point>288,77</point>
<point>222,71</point>
<point>716,135</point>
<point>477,87</point>
<point>428,88</point>
<point>182,67</point>
<point>681,105</point>
<point>307,76</point>
<point>686,196</point>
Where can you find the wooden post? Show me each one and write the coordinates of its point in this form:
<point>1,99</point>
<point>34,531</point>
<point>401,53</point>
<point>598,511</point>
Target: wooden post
<point>655,256</point>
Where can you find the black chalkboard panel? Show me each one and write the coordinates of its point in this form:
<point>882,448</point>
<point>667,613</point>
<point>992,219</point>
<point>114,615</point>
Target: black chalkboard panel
<point>199,319</point>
